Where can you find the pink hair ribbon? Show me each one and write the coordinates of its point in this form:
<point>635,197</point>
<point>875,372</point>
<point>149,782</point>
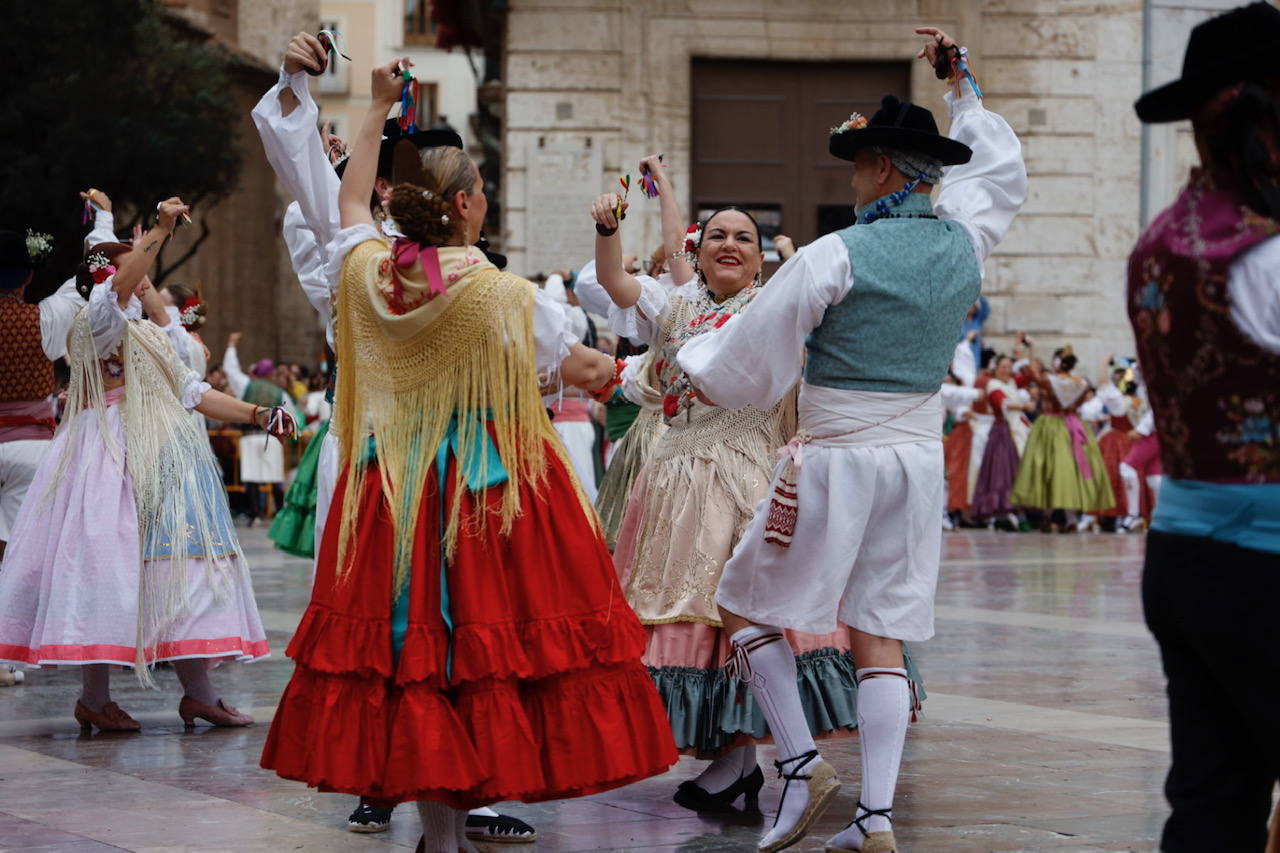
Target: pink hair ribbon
<point>408,252</point>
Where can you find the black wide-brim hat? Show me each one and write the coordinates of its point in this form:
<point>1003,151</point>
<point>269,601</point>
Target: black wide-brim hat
<point>903,126</point>
<point>391,134</point>
<point>1236,46</point>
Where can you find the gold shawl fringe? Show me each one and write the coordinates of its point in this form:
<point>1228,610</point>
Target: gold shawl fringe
<point>473,365</point>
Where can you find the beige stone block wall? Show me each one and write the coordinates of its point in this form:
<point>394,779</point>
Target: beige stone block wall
<point>1064,73</point>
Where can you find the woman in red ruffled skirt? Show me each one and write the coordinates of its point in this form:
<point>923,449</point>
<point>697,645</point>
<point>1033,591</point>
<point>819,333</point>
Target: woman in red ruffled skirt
<point>467,641</point>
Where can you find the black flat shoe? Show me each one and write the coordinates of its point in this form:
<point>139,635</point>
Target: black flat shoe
<point>367,818</point>
<point>693,796</point>
<point>500,829</point>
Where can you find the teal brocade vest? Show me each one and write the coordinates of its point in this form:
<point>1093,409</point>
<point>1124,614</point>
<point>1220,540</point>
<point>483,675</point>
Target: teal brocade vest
<point>914,279</point>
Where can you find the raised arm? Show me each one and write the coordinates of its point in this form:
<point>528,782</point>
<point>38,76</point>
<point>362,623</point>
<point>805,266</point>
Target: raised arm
<point>104,221</point>
<point>137,262</point>
<point>286,119</point>
<point>622,287</point>
<point>362,168</point>
<point>673,222</point>
<point>985,194</point>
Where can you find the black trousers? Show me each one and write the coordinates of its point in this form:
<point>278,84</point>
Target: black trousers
<point>1214,608</point>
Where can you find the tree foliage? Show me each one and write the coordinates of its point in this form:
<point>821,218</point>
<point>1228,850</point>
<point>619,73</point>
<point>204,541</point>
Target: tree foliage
<point>107,94</point>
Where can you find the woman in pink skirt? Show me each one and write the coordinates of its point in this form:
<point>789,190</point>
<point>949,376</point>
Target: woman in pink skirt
<point>124,551</point>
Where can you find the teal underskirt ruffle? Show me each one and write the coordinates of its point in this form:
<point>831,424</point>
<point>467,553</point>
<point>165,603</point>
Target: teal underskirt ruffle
<point>709,711</point>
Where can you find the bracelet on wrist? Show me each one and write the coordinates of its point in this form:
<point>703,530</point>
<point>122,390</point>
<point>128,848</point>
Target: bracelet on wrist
<point>604,393</point>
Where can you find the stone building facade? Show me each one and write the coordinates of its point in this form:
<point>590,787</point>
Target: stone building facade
<point>594,85</point>
<point>243,267</point>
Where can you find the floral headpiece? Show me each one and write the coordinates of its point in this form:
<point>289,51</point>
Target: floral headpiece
<point>99,267</point>
<point>857,121</point>
<point>189,312</point>
<point>38,246</point>
<point>692,240</point>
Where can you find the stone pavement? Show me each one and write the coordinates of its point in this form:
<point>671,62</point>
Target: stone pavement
<point>1044,730</point>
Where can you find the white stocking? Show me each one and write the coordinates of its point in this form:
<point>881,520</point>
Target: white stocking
<point>772,672</point>
<point>1153,483</point>
<point>460,832</point>
<point>1132,490</point>
<point>884,708</point>
<point>725,770</point>
<point>439,827</point>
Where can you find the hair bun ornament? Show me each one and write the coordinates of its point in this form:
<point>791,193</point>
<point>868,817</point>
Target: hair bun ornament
<point>444,219</point>
<point>428,195</point>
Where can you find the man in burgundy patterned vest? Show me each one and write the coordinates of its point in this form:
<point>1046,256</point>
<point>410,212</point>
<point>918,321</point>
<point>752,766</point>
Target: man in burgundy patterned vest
<point>1204,300</point>
<point>26,378</point>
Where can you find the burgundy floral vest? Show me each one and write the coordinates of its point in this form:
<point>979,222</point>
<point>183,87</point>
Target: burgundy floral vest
<point>25,372</point>
<point>1215,394</point>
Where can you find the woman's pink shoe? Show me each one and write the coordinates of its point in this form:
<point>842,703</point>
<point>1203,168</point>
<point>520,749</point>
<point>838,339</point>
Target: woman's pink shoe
<point>111,718</point>
<point>221,714</point>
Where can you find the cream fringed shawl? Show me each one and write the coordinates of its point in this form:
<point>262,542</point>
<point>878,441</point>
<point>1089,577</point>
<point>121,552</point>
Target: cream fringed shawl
<point>454,369</point>
<point>181,507</point>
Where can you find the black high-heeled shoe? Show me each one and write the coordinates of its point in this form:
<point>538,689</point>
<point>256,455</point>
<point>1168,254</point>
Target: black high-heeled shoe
<point>693,796</point>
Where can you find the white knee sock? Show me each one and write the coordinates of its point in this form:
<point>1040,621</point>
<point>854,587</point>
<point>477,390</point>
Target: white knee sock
<point>772,669</point>
<point>439,826</point>
<point>1153,483</point>
<point>725,770</point>
<point>1132,492</point>
<point>884,707</point>
<point>773,683</point>
<point>460,832</point>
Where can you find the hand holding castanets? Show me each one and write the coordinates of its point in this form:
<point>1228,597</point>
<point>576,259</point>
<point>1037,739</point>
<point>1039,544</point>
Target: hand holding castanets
<point>607,211</point>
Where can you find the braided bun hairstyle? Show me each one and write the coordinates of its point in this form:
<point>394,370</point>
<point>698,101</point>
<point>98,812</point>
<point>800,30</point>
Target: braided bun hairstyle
<point>84,276</point>
<point>425,212</point>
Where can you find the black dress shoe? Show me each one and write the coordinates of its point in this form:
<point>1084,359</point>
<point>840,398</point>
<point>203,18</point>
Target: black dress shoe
<point>693,796</point>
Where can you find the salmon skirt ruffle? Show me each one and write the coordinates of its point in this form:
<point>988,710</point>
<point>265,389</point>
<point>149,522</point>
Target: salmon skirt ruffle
<point>547,698</point>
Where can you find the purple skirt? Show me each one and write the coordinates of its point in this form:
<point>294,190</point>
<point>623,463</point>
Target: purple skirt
<point>996,474</point>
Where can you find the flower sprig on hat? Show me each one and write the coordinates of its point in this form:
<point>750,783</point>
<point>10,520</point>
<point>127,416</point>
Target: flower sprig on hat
<point>99,267</point>
<point>857,121</point>
<point>38,245</point>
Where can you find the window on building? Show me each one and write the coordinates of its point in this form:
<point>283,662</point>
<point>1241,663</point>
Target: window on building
<point>418,28</point>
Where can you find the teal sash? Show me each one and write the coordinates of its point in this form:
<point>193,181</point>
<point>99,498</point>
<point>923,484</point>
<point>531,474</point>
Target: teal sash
<point>484,470</point>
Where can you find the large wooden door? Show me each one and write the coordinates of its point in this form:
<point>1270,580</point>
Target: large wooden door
<point>760,137</point>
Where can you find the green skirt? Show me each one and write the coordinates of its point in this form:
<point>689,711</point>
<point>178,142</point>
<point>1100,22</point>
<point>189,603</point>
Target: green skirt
<point>633,451</point>
<point>294,528</point>
<point>1049,476</point>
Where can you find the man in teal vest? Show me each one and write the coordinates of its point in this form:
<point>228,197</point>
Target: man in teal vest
<point>866,319</point>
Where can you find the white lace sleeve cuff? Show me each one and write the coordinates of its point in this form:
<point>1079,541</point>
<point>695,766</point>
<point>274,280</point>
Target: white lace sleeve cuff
<point>642,322</point>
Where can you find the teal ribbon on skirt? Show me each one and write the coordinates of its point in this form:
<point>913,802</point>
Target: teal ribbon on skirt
<point>484,470</point>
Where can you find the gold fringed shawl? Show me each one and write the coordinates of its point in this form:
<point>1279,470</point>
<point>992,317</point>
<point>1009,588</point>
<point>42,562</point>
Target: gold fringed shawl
<point>455,368</point>
<point>181,508</point>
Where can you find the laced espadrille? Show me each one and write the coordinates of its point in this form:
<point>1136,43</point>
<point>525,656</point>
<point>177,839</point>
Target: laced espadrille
<point>822,784</point>
<point>873,842</point>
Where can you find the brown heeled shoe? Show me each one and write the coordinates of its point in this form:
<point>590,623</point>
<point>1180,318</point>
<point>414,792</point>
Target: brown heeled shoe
<point>111,718</point>
<point>221,714</point>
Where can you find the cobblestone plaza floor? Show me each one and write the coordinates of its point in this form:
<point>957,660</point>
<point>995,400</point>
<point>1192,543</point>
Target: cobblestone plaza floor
<point>1044,730</point>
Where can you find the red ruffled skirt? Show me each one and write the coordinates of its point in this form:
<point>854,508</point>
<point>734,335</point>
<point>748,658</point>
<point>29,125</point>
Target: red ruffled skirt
<point>547,697</point>
<point>1114,446</point>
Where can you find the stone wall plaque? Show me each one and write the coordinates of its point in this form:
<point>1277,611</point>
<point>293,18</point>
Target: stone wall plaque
<point>561,180</point>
